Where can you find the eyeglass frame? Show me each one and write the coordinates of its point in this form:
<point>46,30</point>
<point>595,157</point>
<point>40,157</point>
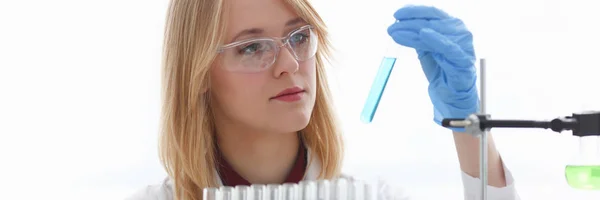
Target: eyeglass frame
<point>283,40</point>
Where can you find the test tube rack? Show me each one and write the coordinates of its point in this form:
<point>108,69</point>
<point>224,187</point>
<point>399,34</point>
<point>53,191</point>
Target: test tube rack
<point>325,189</point>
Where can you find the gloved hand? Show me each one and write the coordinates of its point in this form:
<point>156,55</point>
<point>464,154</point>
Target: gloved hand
<point>445,50</point>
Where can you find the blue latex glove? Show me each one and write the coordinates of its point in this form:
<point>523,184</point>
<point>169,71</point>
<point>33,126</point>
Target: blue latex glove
<point>447,56</point>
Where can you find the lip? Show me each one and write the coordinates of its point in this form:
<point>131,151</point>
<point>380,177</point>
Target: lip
<point>289,92</point>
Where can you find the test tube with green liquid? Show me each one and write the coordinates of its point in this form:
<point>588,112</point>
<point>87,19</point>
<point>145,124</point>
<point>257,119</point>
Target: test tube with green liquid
<point>584,171</point>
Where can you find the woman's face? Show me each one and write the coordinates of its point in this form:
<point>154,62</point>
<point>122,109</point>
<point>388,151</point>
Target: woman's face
<point>249,79</point>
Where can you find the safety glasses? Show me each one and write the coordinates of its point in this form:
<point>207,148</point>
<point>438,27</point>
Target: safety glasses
<point>258,54</point>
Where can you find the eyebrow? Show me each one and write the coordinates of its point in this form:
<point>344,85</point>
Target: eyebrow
<point>256,31</point>
<point>294,21</point>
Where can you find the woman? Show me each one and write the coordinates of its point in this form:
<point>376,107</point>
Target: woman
<point>246,98</point>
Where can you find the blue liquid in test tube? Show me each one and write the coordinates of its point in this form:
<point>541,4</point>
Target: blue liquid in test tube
<point>383,75</point>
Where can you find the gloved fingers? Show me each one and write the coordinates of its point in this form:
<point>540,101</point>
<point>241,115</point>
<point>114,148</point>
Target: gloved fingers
<point>420,12</point>
<point>450,26</point>
<point>449,49</point>
<point>414,25</point>
<point>458,79</point>
<point>409,39</point>
<point>406,33</point>
<point>429,65</point>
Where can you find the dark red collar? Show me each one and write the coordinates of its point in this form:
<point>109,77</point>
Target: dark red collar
<point>230,177</point>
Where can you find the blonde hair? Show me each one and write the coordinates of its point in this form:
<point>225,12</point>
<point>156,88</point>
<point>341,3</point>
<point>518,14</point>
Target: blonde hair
<point>194,30</point>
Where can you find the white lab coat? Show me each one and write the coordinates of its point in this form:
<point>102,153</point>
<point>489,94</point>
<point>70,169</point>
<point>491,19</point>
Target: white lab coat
<point>164,190</point>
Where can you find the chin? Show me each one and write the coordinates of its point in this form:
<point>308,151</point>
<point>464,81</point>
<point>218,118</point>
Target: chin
<point>292,123</point>
<point>294,119</point>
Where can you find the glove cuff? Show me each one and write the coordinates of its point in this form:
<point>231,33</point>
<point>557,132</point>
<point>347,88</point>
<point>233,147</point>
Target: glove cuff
<point>454,129</point>
<point>449,111</point>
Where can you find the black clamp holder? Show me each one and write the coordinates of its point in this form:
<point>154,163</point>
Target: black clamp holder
<point>581,124</point>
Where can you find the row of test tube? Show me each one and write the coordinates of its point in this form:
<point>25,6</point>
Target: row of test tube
<point>335,189</point>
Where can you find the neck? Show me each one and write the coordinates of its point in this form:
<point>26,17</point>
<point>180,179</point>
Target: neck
<point>260,158</point>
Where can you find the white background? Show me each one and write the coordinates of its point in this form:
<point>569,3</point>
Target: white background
<point>79,88</point>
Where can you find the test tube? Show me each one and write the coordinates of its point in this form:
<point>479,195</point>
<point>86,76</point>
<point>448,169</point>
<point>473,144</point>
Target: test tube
<point>274,192</point>
<point>369,192</point>
<point>259,192</point>
<point>356,190</point>
<point>243,192</point>
<point>308,190</point>
<point>584,171</point>
<point>210,193</point>
<point>378,86</point>
<point>340,189</point>
<point>323,190</point>
<point>227,193</point>
<point>290,191</point>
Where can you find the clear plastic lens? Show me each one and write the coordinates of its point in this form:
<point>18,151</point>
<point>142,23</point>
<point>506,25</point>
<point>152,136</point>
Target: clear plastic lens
<point>304,44</point>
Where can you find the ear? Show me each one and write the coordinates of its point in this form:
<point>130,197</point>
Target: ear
<point>204,90</point>
<point>207,80</point>
<point>206,86</point>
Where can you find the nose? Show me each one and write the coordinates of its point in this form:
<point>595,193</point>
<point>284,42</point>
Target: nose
<point>285,63</point>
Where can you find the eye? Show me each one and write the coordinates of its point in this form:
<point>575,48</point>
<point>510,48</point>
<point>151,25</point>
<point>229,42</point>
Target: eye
<point>251,48</point>
<point>299,38</point>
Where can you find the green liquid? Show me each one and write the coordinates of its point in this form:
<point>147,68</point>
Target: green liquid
<point>583,177</point>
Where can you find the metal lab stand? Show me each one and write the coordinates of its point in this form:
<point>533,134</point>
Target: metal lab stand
<point>483,150</point>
